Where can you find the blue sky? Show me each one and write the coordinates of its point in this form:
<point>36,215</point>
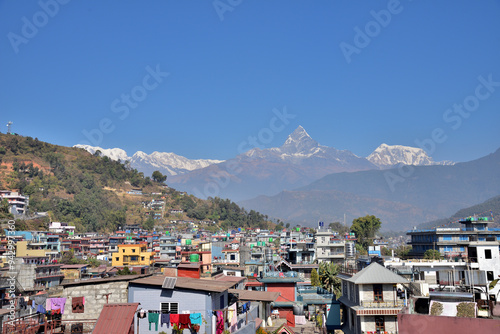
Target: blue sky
<point>351,81</point>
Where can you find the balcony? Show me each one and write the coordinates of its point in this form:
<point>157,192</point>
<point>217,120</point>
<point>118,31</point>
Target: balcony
<point>390,304</point>
<point>47,275</point>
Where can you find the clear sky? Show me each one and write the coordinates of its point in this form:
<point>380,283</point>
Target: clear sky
<point>197,78</point>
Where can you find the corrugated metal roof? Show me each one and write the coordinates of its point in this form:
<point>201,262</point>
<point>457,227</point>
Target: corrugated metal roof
<point>115,319</point>
<point>376,274</point>
<point>249,295</point>
<point>188,283</point>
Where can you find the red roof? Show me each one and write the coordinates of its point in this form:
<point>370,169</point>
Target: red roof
<point>115,319</point>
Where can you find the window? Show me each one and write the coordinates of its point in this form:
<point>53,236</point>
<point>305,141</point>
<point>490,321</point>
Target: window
<point>489,276</point>
<point>378,295</point>
<point>221,305</point>
<point>123,250</point>
<point>133,250</point>
<point>117,258</point>
<point>172,308</point>
<point>487,253</point>
<point>379,324</point>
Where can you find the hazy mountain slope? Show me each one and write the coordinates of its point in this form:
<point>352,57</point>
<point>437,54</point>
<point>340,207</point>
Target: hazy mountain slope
<point>434,191</point>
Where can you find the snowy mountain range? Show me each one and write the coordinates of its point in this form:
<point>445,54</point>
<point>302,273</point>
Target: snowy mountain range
<point>389,156</point>
<point>298,162</point>
<point>165,162</point>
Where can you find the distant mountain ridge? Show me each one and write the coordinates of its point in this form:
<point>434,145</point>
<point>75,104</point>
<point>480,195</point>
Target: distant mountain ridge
<point>426,193</point>
<point>167,163</point>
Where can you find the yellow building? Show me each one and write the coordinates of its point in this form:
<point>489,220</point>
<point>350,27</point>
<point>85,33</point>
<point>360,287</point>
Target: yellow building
<point>132,255</point>
<point>23,248</point>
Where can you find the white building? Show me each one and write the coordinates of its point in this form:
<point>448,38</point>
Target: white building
<point>330,247</point>
<point>369,300</point>
<point>58,227</point>
<point>18,204</point>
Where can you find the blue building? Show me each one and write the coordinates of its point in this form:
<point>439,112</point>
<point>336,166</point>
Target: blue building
<point>179,295</point>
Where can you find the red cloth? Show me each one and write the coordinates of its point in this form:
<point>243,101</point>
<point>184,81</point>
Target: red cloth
<point>219,328</point>
<point>185,321</point>
<point>174,319</point>
<point>290,319</point>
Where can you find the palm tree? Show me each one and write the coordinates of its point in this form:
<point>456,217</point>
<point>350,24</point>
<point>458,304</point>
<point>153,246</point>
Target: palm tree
<point>328,272</point>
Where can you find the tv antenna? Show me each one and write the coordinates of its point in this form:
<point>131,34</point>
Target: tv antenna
<point>8,127</point>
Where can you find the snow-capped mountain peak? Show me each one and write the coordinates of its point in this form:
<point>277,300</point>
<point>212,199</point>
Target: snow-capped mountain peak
<point>393,155</point>
<point>166,162</point>
<point>112,153</point>
<point>299,142</point>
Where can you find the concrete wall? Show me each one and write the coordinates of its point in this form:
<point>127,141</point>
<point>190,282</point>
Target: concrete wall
<point>417,323</point>
<point>26,274</point>
<point>366,292</point>
<point>94,298</point>
<point>194,301</point>
<point>368,323</point>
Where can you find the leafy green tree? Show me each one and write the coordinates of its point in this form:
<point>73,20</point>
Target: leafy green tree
<point>149,224</point>
<point>315,278</point>
<point>339,227</point>
<point>432,254</point>
<point>328,272</point>
<point>126,271</point>
<point>365,229</point>
<point>403,251</point>
<point>158,177</point>
<point>361,250</point>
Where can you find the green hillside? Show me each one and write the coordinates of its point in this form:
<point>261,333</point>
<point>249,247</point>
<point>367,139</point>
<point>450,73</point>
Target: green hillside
<point>487,208</point>
<point>90,191</point>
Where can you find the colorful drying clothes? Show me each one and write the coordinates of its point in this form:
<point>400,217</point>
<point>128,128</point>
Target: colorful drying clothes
<point>195,318</point>
<point>165,319</point>
<point>220,323</point>
<point>153,318</point>
<point>174,319</point>
<point>184,321</point>
<point>57,304</point>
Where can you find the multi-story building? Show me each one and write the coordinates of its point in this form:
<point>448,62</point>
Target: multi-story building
<point>452,242</point>
<point>330,247</point>
<point>168,246</point>
<point>132,255</point>
<point>18,204</point>
<point>369,300</point>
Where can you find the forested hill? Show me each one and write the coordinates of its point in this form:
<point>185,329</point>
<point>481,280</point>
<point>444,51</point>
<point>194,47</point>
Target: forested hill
<point>90,191</point>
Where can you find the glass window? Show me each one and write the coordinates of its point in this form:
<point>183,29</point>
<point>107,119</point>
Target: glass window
<point>487,253</point>
<point>379,324</point>
<point>378,295</point>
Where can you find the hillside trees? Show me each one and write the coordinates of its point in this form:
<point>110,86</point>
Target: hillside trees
<point>158,177</point>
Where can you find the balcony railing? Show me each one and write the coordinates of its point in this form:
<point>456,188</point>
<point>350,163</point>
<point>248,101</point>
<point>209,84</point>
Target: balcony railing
<point>389,304</point>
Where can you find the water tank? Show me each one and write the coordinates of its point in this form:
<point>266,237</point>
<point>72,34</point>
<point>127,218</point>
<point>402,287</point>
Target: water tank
<point>350,249</point>
<point>298,309</point>
<point>269,255</point>
<point>194,258</point>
